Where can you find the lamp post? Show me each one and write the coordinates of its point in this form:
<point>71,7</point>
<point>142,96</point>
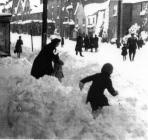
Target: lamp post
<point>44,23</point>
<point>119,23</point>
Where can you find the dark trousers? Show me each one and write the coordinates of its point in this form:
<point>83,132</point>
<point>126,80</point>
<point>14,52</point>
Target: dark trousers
<point>132,54</point>
<point>80,52</point>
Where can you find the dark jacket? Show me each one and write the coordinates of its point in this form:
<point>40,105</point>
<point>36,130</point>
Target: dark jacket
<point>18,46</point>
<point>124,51</point>
<point>79,44</point>
<point>96,39</point>
<point>100,82</point>
<point>132,43</point>
<point>42,64</point>
<point>62,41</point>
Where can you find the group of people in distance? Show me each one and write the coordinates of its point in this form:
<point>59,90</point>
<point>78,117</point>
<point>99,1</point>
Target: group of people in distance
<point>86,42</point>
<point>132,44</point>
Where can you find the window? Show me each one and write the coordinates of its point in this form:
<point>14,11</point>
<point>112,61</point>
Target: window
<point>77,21</point>
<point>88,20</point>
<point>93,20</point>
<point>83,20</point>
<point>58,11</point>
<point>144,8</point>
<point>115,10</point>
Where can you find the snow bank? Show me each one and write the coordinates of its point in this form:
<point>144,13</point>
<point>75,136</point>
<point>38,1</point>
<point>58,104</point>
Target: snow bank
<point>45,108</point>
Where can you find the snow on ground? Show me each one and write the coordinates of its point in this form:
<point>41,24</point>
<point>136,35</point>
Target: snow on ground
<point>45,108</point>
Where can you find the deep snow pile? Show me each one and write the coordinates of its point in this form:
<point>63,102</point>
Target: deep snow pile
<point>45,108</point>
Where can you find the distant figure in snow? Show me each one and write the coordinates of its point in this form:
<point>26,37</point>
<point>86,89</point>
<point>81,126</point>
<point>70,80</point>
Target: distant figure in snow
<point>62,41</point>
<point>124,51</point>
<point>96,39</point>
<point>42,64</point>
<point>132,46</point>
<point>86,42</point>
<point>18,47</point>
<point>58,72</point>
<point>100,82</point>
<point>79,45</point>
<point>140,42</point>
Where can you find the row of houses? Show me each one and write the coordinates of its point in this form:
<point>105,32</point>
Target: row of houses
<point>106,18</point>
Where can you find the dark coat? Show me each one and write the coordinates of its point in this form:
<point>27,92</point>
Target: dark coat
<point>96,39</point>
<point>124,51</point>
<point>140,43</point>
<point>42,64</point>
<point>132,43</point>
<point>100,82</point>
<point>86,42</point>
<point>62,41</point>
<point>58,71</point>
<point>18,46</point>
<point>79,44</point>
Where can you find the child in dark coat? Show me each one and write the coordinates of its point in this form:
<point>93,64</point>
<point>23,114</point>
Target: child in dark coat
<point>18,47</point>
<point>100,82</point>
<point>124,51</point>
<point>58,71</point>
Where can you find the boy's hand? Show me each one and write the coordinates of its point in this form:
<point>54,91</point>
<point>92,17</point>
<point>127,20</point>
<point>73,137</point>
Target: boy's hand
<point>81,85</point>
<point>116,93</point>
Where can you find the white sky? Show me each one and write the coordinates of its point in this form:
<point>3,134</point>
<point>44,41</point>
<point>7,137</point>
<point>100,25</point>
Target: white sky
<point>58,110</point>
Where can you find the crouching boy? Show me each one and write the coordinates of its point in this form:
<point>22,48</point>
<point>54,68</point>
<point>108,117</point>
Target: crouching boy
<point>100,82</point>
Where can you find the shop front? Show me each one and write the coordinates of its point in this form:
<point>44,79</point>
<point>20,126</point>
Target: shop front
<point>5,34</point>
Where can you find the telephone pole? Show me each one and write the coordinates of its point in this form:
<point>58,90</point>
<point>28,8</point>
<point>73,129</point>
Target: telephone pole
<point>119,23</point>
<point>61,18</point>
<point>44,23</point>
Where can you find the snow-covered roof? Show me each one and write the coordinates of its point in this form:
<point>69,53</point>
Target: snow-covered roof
<point>8,5</point>
<point>29,21</point>
<point>133,1</point>
<point>1,8</point>
<point>5,14</point>
<point>34,3</point>
<point>76,8</point>
<point>38,9</point>
<point>3,1</point>
<point>92,8</point>
<point>69,7</point>
<point>71,22</point>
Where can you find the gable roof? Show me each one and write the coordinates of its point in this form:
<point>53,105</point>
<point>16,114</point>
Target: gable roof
<point>92,8</point>
<point>133,1</point>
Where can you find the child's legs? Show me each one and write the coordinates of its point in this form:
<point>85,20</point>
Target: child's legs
<point>130,54</point>
<point>134,52</point>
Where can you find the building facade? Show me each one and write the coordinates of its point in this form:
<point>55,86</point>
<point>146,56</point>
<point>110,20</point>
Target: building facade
<point>131,13</point>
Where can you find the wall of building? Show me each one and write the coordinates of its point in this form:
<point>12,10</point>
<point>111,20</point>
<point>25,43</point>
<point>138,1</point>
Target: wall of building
<point>140,19</point>
<point>80,19</point>
<point>127,18</point>
<point>113,20</point>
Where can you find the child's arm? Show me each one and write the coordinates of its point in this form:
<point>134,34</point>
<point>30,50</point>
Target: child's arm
<point>110,88</point>
<point>85,80</point>
<point>88,78</point>
<point>61,62</point>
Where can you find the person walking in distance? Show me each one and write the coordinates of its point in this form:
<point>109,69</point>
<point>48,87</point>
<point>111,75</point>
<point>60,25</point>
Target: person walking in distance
<point>124,51</point>
<point>132,46</point>
<point>18,47</point>
<point>79,45</point>
<point>62,41</point>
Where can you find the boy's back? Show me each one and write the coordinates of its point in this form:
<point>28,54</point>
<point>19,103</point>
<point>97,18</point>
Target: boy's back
<point>100,81</point>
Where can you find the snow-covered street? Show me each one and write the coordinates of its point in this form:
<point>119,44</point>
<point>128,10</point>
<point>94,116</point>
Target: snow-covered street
<point>45,108</point>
